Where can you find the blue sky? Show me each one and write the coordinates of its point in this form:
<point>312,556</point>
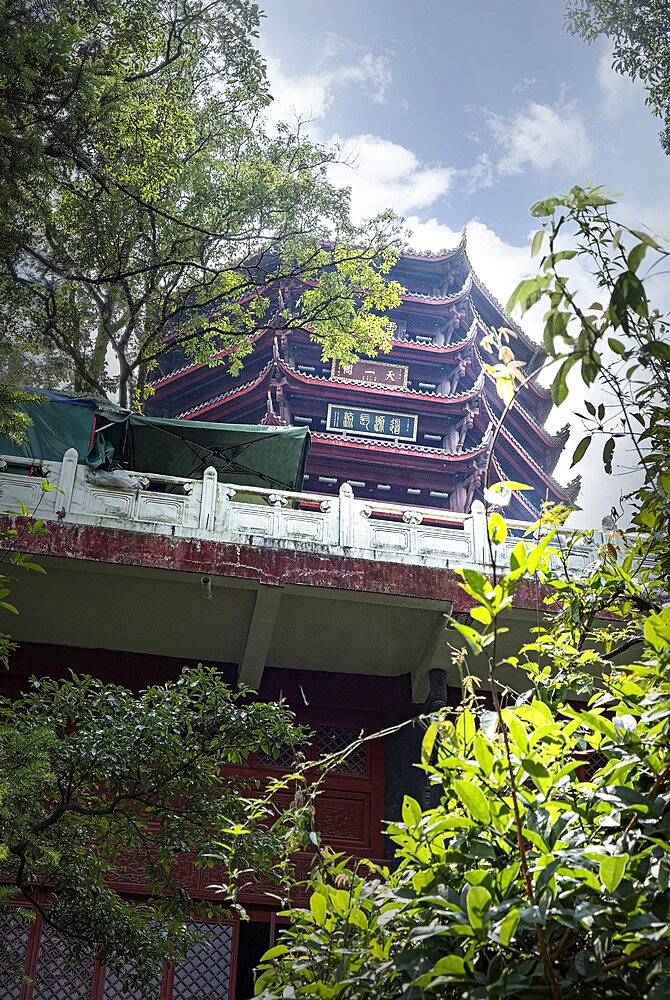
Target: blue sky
<point>461,115</point>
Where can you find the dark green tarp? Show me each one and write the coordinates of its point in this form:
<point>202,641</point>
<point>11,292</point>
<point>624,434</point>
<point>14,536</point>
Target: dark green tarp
<point>242,454</point>
<point>109,437</point>
<point>58,423</point>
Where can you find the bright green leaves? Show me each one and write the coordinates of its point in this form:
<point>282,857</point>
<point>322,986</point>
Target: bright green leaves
<point>473,799</point>
<point>657,631</point>
<point>478,900</point>
<point>92,774</point>
<point>581,449</point>
<point>411,811</point>
<point>507,927</point>
<point>317,906</point>
<point>497,528</point>
<point>612,869</point>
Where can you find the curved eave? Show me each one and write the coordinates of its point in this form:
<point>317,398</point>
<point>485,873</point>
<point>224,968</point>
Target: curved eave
<point>379,392</point>
<point>434,351</point>
<point>385,450</point>
<point>439,257</point>
<point>506,320</point>
<point>545,477</point>
<point>438,301</point>
<point>238,392</point>
<point>199,365</point>
<point>554,441</point>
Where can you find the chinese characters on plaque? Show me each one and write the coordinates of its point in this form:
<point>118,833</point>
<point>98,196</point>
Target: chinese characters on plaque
<point>372,372</point>
<point>375,423</point>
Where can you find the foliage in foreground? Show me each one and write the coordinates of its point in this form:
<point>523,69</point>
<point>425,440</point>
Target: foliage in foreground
<point>531,877</point>
<point>148,203</point>
<point>639,31</point>
<point>545,869</point>
<point>95,780</point>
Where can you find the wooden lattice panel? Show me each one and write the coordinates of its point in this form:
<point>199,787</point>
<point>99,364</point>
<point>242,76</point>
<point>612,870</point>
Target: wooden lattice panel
<point>336,739</point>
<point>56,978</point>
<point>14,933</point>
<point>115,987</point>
<point>207,970</point>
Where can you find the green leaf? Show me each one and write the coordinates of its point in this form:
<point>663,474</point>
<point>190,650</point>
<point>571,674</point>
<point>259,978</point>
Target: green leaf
<point>411,811</point>
<point>539,553</point>
<point>279,949</point>
<point>477,903</point>
<point>428,742</point>
<point>517,731</point>
<point>317,905</point>
<point>481,614</point>
<point>483,754</point>
<point>473,799</point>
<point>450,965</point>
<point>507,928</point>
<point>657,631</point>
<point>358,919</point>
<point>465,728</point>
<point>477,583</point>
<point>612,869</point>
<point>658,349</point>
<point>471,636</point>
<point>616,346</point>
<point>518,558</point>
<point>559,388</point>
<point>608,454</point>
<point>545,208</point>
<point>538,239</point>
<point>645,237</point>
<point>497,528</point>
<point>636,256</point>
<point>581,449</point>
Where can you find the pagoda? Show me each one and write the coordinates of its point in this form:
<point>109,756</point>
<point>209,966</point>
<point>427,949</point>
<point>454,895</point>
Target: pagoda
<point>418,426</point>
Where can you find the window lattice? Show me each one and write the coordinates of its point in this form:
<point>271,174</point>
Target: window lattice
<point>14,932</point>
<point>592,764</point>
<point>284,762</point>
<point>115,987</point>
<point>334,740</point>
<point>56,978</point>
<point>207,970</point>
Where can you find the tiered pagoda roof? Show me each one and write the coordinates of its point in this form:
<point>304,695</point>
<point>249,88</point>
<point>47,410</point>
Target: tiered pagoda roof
<point>413,426</point>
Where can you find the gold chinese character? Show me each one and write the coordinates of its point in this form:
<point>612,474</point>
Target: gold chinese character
<point>346,369</point>
<point>379,424</point>
<point>395,425</point>
<point>348,419</point>
<point>365,420</point>
<point>390,376</point>
<point>370,372</point>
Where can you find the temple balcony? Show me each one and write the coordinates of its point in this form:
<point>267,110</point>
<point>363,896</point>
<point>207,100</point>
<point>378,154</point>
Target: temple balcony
<point>201,569</point>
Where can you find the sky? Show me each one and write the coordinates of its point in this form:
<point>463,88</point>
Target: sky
<point>461,115</point>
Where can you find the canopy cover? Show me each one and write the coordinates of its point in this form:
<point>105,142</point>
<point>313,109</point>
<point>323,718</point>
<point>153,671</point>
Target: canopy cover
<point>109,437</point>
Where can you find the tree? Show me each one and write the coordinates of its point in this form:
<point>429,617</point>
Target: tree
<point>150,207</point>
<point>93,777</point>
<point>545,869</point>
<point>640,32</point>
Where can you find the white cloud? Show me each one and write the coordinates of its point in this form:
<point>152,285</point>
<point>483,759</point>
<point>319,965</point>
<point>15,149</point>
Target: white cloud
<point>543,137</point>
<point>308,97</point>
<point>384,174</point>
<point>619,94</point>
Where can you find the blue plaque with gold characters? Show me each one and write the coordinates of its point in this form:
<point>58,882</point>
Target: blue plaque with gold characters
<point>375,423</point>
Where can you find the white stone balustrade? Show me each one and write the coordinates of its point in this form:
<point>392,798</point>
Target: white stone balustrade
<point>242,515</point>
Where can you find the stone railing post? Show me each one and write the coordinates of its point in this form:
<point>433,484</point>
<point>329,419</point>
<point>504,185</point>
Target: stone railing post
<point>346,513</point>
<point>208,499</point>
<point>68,472</point>
<point>480,547</point>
